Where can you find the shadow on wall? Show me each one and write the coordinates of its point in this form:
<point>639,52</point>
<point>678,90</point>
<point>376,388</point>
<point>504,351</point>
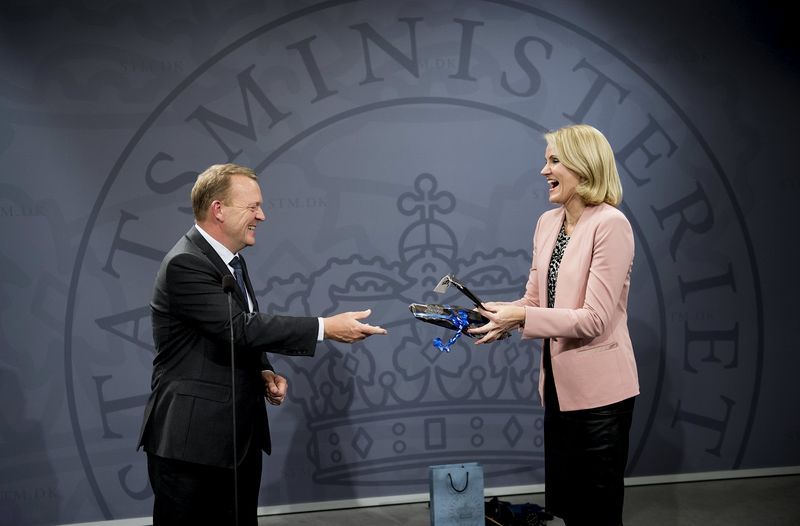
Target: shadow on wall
<point>649,445</point>
<point>294,482</point>
<point>293,470</point>
<point>28,491</point>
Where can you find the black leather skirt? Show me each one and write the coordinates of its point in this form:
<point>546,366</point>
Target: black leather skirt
<point>585,456</point>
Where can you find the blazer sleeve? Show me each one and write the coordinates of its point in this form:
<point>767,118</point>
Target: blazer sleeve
<point>196,297</point>
<point>266,365</point>
<point>531,297</point>
<point>611,260</point>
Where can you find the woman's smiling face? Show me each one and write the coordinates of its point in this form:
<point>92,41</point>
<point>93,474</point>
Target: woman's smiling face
<point>562,180</point>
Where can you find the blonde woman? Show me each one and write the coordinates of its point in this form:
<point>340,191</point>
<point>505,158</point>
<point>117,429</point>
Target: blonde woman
<point>576,302</point>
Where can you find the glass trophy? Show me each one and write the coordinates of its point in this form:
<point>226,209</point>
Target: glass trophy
<point>453,317</point>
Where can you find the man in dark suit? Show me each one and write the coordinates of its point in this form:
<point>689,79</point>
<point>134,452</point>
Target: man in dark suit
<point>187,430</point>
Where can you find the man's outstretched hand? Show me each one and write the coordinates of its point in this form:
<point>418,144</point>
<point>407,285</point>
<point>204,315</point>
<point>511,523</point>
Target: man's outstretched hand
<point>346,327</point>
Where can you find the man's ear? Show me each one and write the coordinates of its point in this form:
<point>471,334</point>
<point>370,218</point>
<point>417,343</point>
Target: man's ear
<point>216,211</point>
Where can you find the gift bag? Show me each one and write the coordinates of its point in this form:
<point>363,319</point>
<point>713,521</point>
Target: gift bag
<point>457,495</point>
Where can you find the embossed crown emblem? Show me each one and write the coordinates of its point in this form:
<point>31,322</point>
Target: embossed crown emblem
<point>383,411</point>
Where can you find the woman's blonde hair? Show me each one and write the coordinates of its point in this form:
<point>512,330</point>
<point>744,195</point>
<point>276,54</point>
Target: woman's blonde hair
<point>586,151</point>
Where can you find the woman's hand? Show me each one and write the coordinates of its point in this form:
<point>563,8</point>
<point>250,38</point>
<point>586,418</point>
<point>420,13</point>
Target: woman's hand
<point>503,318</point>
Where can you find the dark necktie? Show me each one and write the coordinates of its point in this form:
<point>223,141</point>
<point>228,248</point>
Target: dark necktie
<point>236,264</point>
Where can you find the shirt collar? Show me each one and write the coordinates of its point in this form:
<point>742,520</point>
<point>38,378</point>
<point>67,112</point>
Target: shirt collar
<point>221,250</point>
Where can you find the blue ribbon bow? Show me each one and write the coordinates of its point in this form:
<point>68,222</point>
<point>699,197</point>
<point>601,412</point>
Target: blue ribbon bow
<point>460,321</point>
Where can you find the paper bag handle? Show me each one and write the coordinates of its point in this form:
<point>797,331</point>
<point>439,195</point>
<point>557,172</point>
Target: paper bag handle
<point>452,485</point>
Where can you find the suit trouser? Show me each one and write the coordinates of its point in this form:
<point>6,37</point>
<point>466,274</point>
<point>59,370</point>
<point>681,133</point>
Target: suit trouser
<point>190,494</point>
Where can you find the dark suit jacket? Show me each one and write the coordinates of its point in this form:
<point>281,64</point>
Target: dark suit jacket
<point>188,415</point>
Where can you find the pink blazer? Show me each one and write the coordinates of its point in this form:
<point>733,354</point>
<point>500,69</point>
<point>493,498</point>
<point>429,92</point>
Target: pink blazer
<point>592,356</point>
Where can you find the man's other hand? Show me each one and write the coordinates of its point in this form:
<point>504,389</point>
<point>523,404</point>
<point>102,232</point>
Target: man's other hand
<point>274,387</point>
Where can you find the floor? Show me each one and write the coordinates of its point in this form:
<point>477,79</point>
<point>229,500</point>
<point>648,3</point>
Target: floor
<point>773,501</point>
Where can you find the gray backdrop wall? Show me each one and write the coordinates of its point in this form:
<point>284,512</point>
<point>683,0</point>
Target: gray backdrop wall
<point>396,142</point>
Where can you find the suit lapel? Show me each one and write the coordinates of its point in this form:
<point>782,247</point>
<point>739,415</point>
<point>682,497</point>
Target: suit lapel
<point>195,237</point>
<point>549,236</point>
<point>573,249</point>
